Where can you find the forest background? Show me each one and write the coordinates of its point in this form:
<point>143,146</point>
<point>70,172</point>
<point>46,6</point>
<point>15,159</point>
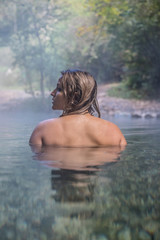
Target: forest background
<point>116,41</point>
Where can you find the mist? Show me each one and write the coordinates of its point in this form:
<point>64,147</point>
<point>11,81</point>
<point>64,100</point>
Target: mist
<point>39,39</point>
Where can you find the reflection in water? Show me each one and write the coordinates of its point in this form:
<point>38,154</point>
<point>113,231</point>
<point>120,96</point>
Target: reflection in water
<point>88,159</point>
<point>74,170</point>
<point>72,186</point>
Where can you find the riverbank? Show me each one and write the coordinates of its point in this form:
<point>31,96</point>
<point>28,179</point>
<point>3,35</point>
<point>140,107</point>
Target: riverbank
<point>126,107</point>
<point>18,99</point>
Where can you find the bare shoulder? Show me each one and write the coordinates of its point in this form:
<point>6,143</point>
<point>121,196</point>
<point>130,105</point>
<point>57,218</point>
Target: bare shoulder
<point>40,129</point>
<point>117,133</point>
<point>109,126</point>
<point>112,126</point>
<point>104,124</point>
<point>110,133</point>
<point>42,125</point>
<point>50,123</point>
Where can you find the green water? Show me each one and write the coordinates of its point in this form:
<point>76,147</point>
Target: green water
<point>110,196</point>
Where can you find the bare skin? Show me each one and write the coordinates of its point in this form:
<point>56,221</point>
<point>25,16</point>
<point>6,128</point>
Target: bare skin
<point>77,130</point>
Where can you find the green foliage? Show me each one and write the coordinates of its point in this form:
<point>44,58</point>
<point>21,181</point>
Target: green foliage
<point>134,28</point>
<point>121,90</point>
<point>46,39</point>
<point>32,41</point>
<point>8,75</point>
<point>114,40</point>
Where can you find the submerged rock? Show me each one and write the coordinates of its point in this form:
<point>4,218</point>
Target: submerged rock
<point>124,234</point>
<point>152,226</point>
<point>21,225</point>
<point>143,235</point>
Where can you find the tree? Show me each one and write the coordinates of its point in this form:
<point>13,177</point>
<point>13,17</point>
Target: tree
<point>134,29</point>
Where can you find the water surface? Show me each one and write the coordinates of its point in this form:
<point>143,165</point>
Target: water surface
<point>83,194</point>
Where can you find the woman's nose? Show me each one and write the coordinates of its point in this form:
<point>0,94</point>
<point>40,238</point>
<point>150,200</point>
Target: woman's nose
<point>53,93</point>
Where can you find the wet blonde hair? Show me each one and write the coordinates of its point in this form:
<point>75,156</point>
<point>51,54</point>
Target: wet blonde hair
<point>80,93</point>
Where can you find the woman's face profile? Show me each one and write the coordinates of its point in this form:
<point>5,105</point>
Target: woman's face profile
<point>58,101</point>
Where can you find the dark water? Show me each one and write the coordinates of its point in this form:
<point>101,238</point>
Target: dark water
<point>84,194</point>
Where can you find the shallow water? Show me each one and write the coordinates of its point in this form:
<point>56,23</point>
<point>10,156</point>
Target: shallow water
<point>84,194</point>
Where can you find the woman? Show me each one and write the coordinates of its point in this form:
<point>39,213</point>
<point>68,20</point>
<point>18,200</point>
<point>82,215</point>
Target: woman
<point>76,95</point>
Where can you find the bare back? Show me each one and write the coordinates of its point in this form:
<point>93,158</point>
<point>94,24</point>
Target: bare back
<point>77,131</point>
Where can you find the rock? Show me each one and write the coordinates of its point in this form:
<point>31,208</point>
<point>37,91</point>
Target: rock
<point>124,234</point>
<point>152,226</point>
<point>136,115</point>
<point>101,237</point>
<point>148,115</point>
<point>156,235</point>
<point>21,225</point>
<point>10,234</point>
<point>143,235</point>
<point>43,236</point>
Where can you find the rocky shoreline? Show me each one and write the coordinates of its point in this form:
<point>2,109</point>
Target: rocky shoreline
<point>17,99</point>
<point>127,107</point>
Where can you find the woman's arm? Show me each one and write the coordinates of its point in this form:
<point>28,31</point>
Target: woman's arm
<point>36,136</point>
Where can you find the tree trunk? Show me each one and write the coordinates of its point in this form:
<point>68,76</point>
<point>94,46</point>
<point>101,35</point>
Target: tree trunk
<point>42,83</point>
<point>41,58</point>
<point>29,80</point>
